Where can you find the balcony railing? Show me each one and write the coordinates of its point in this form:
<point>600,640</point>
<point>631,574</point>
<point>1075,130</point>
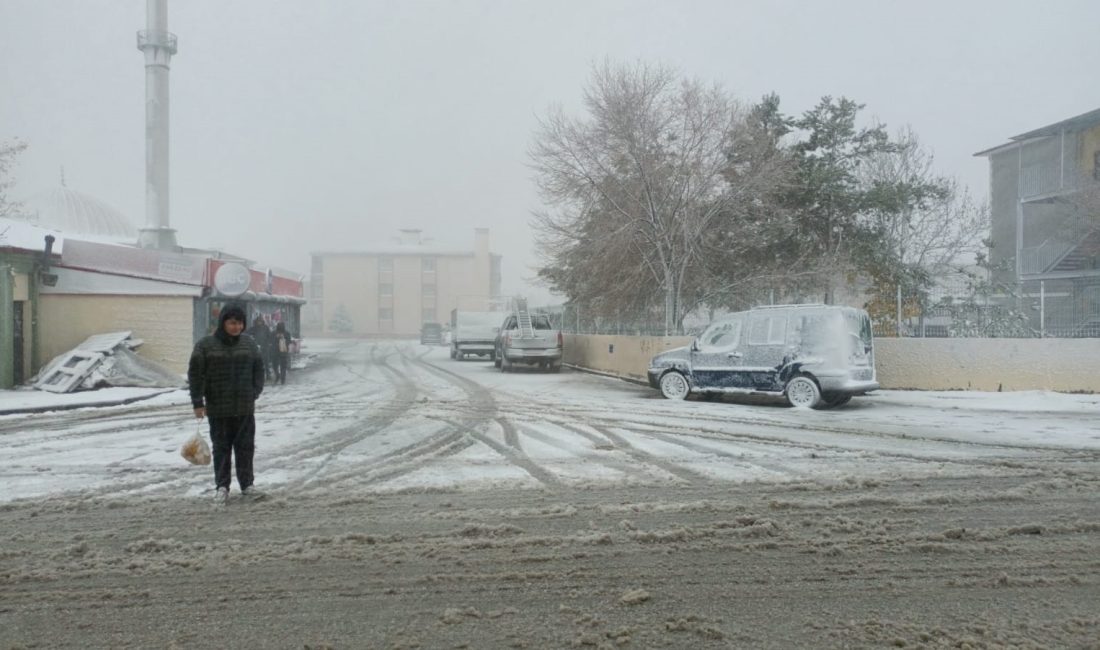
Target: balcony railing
<point>1041,258</point>
<point>1043,179</point>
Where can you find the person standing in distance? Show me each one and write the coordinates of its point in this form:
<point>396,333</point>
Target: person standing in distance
<point>281,346</point>
<point>226,377</point>
<point>261,333</point>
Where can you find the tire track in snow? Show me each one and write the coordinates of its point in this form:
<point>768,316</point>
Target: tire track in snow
<point>334,443</point>
<point>617,464</point>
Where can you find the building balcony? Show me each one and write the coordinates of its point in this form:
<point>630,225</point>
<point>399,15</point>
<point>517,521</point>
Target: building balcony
<point>1045,181</point>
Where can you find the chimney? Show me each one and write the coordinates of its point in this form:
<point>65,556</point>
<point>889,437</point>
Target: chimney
<point>481,242</point>
<point>158,45</point>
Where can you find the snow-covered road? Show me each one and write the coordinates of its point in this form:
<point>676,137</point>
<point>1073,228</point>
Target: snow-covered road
<point>417,501</point>
<point>384,416</point>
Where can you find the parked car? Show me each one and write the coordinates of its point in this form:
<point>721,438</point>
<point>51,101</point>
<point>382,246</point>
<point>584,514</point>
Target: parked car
<point>542,346</point>
<point>431,334</point>
<point>814,355</point>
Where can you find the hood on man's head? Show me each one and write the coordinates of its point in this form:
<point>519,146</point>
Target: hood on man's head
<point>232,310</point>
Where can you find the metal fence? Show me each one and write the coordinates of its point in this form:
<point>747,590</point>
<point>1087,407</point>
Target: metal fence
<point>958,306</point>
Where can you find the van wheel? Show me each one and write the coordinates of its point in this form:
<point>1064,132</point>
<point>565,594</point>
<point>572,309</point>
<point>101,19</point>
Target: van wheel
<point>496,360</point>
<point>802,392</point>
<point>674,385</point>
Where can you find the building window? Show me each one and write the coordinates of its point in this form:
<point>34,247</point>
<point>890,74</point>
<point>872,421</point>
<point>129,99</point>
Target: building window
<point>385,289</point>
<point>427,290</point>
<point>427,315</point>
<point>427,264</point>
<point>385,314</point>
<point>385,264</point>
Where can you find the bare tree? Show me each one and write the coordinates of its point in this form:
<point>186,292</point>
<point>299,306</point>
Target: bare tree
<point>638,186</point>
<point>9,151</point>
<point>927,221</point>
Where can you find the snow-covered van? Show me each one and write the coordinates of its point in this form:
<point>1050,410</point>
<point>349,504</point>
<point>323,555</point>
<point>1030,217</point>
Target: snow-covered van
<point>474,332</point>
<point>814,355</point>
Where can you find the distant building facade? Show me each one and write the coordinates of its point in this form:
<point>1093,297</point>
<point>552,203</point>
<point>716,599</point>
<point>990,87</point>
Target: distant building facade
<point>1045,214</point>
<point>95,280</point>
<point>394,289</point>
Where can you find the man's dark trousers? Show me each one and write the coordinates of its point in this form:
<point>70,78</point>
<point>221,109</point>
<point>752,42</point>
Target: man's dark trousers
<point>236,434</point>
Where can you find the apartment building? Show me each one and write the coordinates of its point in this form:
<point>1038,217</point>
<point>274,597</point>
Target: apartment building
<point>392,289</point>
<point>1045,213</point>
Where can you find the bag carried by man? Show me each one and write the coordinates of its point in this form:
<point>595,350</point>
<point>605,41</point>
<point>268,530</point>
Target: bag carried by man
<point>196,450</point>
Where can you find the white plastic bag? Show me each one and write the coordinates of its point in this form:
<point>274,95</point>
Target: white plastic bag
<point>195,450</point>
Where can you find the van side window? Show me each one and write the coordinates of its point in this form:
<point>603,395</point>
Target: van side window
<point>768,330</point>
<point>720,336</point>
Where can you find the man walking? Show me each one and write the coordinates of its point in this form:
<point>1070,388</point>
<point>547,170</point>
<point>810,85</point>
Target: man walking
<point>226,377</point>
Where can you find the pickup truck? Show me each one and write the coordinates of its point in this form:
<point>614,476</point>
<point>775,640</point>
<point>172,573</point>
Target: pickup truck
<point>474,332</point>
<point>542,345</point>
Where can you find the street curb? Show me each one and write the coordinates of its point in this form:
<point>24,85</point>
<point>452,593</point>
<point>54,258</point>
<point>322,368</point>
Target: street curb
<point>83,405</point>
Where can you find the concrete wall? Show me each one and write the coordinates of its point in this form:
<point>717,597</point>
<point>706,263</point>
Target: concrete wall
<point>1068,365</point>
<point>622,356</point>
<point>164,323</point>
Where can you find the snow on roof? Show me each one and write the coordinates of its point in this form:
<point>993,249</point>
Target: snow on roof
<point>398,250</point>
<point>22,235</point>
<point>1075,123</point>
<point>78,213</point>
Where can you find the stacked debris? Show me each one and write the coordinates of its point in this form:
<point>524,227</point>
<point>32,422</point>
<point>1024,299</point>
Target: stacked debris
<point>104,360</point>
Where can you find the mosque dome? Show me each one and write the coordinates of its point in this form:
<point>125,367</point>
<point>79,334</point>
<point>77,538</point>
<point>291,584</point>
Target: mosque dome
<point>75,213</point>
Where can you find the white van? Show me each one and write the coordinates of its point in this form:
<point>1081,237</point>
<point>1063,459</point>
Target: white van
<point>814,355</point>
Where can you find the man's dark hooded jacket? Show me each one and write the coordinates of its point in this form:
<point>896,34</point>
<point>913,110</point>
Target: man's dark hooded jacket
<point>226,373</point>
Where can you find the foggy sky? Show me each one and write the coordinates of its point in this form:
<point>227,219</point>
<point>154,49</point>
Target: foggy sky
<point>328,124</point>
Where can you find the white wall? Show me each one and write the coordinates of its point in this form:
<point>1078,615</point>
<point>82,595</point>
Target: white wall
<point>163,322</point>
<point>1067,365</point>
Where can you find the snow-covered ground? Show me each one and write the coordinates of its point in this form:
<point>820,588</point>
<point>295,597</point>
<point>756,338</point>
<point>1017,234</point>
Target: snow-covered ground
<point>388,416</point>
<point>416,501</point>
